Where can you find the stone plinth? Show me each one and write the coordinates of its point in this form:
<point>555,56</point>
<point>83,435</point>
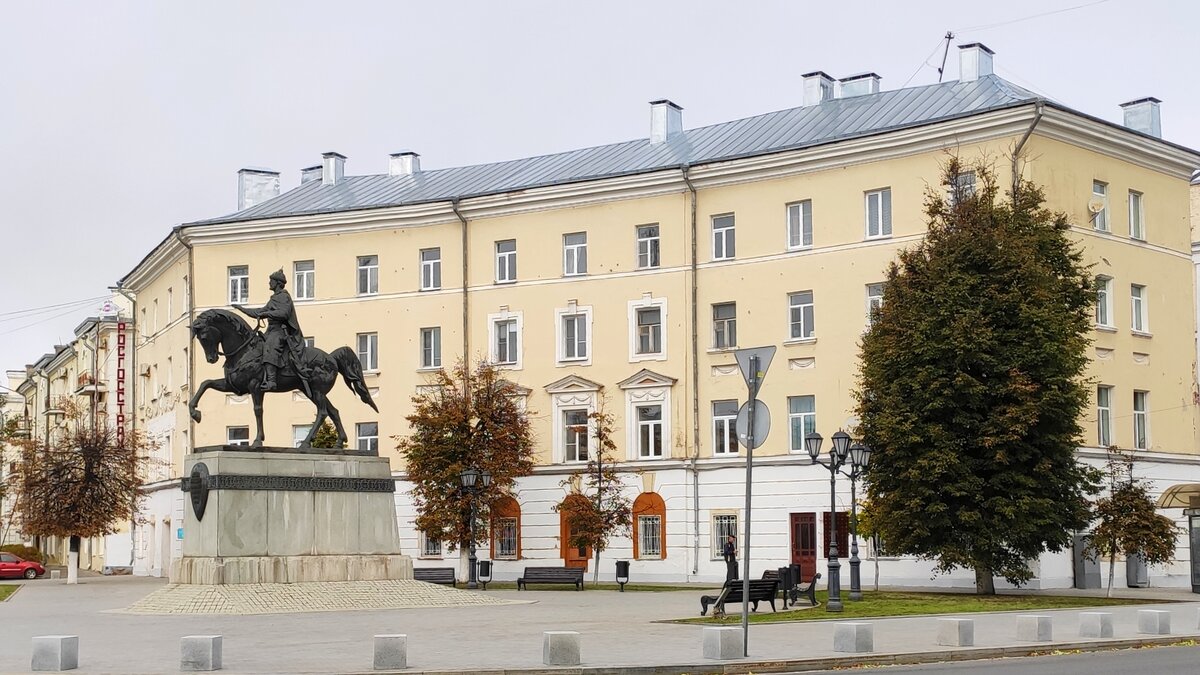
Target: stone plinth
<point>560,648</point>
<point>723,642</point>
<point>956,632</point>
<point>1154,621</point>
<point>855,638</point>
<point>55,652</point>
<point>1034,628</point>
<point>200,653</point>
<point>278,515</point>
<point>1096,624</point>
<point>391,652</point>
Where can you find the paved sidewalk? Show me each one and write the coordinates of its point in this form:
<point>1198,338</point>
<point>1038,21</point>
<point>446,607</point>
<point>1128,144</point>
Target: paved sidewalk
<point>618,630</point>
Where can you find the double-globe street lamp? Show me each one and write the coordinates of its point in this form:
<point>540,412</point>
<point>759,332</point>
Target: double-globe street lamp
<point>859,455</point>
<point>473,481</point>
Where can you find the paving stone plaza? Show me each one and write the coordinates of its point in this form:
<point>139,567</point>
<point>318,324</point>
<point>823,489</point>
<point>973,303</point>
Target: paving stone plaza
<point>136,624</point>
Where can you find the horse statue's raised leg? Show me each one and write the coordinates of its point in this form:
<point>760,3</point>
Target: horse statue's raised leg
<point>218,384</point>
<point>257,397</point>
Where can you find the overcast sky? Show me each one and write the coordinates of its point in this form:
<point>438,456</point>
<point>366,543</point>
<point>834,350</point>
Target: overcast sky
<point>123,119</point>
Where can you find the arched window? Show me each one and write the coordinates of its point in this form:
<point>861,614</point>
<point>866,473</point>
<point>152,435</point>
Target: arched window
<point>506,529</point>
<point>649,527</point>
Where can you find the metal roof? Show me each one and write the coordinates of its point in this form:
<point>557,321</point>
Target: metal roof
<point>791,129</point>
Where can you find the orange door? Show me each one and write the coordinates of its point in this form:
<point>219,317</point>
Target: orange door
<point>573,556</point>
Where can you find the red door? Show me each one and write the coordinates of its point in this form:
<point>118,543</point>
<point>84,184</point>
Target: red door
<point>804,544</point>
<point>573,556</point>
<point>843,534</point>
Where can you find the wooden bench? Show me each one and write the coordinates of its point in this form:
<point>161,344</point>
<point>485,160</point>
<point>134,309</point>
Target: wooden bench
<point>551,575</point>
<point>761,590</point>
<point>793,593</point>
<point>436,575</point>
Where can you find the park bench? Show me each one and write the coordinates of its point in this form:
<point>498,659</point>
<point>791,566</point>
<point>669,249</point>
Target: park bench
<point>793,593</point>
<point>761,590</point>
<point>551,575</point>
<point>436,575</point>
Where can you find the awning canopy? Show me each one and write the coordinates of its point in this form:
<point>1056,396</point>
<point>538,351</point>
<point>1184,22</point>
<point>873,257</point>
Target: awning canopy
<point>1184,496</point>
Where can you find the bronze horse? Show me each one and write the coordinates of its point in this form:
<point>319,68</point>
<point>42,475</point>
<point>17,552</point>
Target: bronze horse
<point>223,333</point>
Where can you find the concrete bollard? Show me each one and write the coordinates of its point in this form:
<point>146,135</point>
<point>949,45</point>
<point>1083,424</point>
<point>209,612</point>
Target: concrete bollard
<point>723,642</point>
<point>1034,628</point>
<point>560,648</point>
<point>1154,621</point>
<point>1096,624</point>
<point>855,638</point>
<point>200,652</point>
<point>956,632</point>
<point>55,652</point>
<point>55,574</point>
<point>391,652</point>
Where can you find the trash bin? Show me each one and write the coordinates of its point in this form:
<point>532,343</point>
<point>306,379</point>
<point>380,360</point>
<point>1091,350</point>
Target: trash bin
<point>485,572</point>
<point>622,573</point>
<point>786,583</point>
<point>1136,574</point>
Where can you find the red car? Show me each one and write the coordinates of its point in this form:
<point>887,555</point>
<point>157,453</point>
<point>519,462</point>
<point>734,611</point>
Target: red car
<point>14,566</point>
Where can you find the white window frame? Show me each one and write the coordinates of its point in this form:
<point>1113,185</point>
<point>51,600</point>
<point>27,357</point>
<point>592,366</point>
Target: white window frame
<point>574,434</point>
<point>638,396</point>
<point>239,284</point>
<point>962,184</point>
<point>240,431</point>
<point>428,543</point>
<point>1104,306</point>
<point>431,268</point>
<point>724,430</point>
<point>493,355</point>
<point>1104,415</point>
<point>304,275</point>
<point>649,247</point>
<point>506,262</point>
<point>807,420</point>
<point>796,307</point>
<point>367,345</point>
<point>719,528</point>
<point>1100,218</point>
<point>1141,420</point>
<point>1139,319</point>
<point>724,237</point>
<point>883,228</point>
<point>582,314</point>
<point>499,531</point>
<point>366,278</point>
<point>650,450</point>
<point>575,254</point>
<point>647,302</point>
<point>576,394</point>
<point>724,330</point>
<point>874,298</point>
<point>431,348</point>
<point>799,225</point>
<point>1137,216</point>
<point>299,433</point>
<point>650,552</point>
<point>372,442</point>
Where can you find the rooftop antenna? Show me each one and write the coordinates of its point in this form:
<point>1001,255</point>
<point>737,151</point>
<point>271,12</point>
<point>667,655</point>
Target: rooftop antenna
<point>945,52</point>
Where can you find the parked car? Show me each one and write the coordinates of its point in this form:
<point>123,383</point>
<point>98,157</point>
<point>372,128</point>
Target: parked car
<point>13,566</point>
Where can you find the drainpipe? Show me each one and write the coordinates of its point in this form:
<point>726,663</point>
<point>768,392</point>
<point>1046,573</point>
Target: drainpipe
<point>695,387</point>
<point>466,319</point>
<point>1037,117</point>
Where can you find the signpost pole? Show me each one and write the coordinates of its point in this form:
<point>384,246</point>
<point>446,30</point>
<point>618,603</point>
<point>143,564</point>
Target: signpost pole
<point>753,386</point>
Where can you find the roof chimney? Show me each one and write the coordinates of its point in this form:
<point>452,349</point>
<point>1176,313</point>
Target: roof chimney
<point>1142,115</point>
<point>256,186</point>
<point>818,87</point>
<point>404,163</point>
<point>666,121</point>
<point>974,61</point>
<point>310,173</point>
<point>859,85</point>
<point>333,165</point>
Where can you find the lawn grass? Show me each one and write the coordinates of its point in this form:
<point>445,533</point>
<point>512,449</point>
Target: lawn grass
<point>901,603</point>
<point>589,586</point>
<point>7,590</point>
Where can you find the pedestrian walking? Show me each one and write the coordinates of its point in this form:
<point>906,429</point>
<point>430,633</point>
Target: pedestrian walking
<point>729,552</point>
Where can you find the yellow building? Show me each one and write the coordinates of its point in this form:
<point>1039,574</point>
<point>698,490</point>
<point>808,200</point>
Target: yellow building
<point>624,276</point>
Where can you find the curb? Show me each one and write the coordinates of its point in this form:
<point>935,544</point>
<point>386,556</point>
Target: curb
<point>740,667</point>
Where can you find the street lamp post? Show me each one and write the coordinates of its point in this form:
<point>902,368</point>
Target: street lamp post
<point>838,454</point>
<point>860,456</point>
<point>473,481</point>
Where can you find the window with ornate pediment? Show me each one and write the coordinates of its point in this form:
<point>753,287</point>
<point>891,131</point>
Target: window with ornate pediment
<point>647,415</point>
<point>572,401</point>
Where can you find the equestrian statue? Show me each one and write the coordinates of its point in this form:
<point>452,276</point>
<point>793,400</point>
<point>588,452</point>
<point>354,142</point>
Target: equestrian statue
<point>277,361</point>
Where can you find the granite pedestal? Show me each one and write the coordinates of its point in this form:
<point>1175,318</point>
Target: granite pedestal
<point>283,515</point>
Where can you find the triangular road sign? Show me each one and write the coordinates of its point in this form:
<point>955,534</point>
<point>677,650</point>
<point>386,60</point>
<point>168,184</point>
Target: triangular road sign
<point>743,356</point>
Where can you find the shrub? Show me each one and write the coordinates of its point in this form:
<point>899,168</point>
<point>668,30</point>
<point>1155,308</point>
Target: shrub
<point>23,551</point>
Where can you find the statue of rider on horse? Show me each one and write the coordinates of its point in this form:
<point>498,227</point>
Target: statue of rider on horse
<point>277,361</point>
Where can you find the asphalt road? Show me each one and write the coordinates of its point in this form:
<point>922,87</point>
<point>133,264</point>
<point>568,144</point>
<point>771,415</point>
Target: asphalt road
<point>1155,661</point>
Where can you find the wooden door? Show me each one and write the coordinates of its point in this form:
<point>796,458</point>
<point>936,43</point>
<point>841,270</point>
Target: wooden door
<point>573,556</point>
<point>804,544</point>
<point>843,534</point>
